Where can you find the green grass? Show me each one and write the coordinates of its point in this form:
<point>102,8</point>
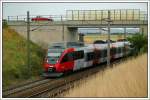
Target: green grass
<point>15,58</point>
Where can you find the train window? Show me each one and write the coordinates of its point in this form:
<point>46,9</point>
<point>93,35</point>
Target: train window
<point>97,54</point>
<point>78,55</point>
<point>124,49</point>
<point>75,56</point>
<point>65,58</point>
<point>70,56</point>
<point>116,50</point>
<point>105,53</point>
<point>81,54</point>
<point>102,54</point>
<point>119,49</point>
<point>113,50</point>
<point>90,56</point>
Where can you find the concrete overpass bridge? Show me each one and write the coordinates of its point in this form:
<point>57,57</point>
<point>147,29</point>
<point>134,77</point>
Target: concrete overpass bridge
<point>66,28</point>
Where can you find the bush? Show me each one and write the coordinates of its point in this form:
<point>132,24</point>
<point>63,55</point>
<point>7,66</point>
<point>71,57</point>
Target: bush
<point>139,42</point>
<point>15,67</point>
<point>5,25</point>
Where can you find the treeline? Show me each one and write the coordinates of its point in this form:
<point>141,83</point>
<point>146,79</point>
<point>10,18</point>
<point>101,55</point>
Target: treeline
<point>4,23</point>
<point>139,42</point>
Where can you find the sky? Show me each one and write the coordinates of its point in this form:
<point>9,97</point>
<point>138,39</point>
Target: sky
<point>14,9</point>
<point>17,9</point>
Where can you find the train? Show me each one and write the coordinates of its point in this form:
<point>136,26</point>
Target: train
<point>67,57</point>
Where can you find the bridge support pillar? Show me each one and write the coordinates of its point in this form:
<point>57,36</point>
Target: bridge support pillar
<point>70,34</point>
<point>144,29</point>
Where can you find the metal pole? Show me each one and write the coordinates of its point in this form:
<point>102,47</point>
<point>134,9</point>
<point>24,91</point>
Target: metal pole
<point>142,30</point>
<point>126,14</point>
<point>28,42</point>
<point>124,41</point>
<point>72,15</point>
<point>8,18</point>
<point>108,41</point>
<point>120,13</point>
<point>62,28</point>
<point>17,18</point>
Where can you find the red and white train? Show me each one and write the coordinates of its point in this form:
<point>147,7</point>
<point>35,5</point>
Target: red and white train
<point>71,56</point>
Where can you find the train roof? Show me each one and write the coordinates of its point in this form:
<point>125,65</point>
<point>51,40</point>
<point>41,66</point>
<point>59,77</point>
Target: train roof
<point>66,45</point>
<point>104,46</point>
<point>81,45</point>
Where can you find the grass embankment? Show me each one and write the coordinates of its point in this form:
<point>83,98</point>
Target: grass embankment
<point>15,58</point>
<point>128,79</point>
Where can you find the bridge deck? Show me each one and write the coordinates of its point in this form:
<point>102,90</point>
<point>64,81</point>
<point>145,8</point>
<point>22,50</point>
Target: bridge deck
<point>80,23</point>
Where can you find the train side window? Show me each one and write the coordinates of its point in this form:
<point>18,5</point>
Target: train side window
<point>90,56</point>
<point>87,57</point>
<point>105,52</point>
<point>119,49</point>
<point>102,54</point>
<point>81,54</point>
<point>78,55</point>
<point>75,56</point>
<point>122,49</point>
<point>97,54</point>
<point>70,56</point>
<point>65,58</point>
<point>113,50</point>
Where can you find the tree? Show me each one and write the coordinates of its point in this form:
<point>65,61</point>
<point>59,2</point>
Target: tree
<point>139,42</point>
<point>5,25</point>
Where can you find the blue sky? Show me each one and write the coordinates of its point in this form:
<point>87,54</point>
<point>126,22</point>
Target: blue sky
<point>14,9</point>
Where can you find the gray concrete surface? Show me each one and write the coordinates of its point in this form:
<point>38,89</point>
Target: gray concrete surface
<point>47,32</point>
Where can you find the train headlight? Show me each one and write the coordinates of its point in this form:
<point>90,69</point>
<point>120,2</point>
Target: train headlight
<point>51,66</point>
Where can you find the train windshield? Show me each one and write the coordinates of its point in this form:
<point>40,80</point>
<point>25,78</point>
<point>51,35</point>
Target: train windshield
<point>53,56</point>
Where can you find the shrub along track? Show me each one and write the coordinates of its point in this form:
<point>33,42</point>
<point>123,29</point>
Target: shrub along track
<point>52,87</point>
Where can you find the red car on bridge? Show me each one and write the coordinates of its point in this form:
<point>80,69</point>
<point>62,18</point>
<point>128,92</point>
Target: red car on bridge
<point>40,18</point>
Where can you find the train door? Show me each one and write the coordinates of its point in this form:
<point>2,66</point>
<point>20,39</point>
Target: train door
<point>103,56</point>
<point>78,60</point>
<point>67,62</point>
<point>112,53</point>
<point>96,57</point>
<point>88,61</point>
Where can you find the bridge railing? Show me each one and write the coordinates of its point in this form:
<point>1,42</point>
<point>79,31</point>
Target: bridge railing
<point>119,14</point>
<point>89,15</point>
<point>64,18</point>
<point>24,17</point>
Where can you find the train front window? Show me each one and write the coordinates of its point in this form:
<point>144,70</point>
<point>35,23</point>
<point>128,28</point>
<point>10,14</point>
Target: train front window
<point>52,58</point>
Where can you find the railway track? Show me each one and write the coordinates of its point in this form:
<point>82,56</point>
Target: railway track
<point>10,92</point>
<point>52,87</point>
<point>21,84</point>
